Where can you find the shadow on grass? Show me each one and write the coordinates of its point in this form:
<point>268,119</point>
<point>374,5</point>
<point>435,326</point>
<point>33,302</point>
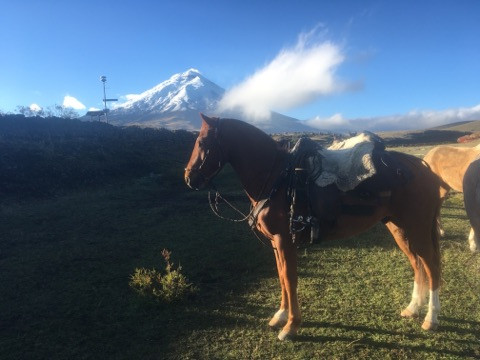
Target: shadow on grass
<point>453,206</point>
<point>454,216</point>
<point>367,342</point>
<point>376,237</point>
<point>71,258</point>
<point>472,346</point>
<point>453,324</point>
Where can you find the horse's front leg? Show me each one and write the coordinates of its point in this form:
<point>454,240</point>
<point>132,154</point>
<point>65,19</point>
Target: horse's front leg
<point>286,254</point>
<point>281,316</point>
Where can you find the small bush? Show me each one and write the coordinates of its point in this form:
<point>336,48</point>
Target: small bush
<point>168,287</point>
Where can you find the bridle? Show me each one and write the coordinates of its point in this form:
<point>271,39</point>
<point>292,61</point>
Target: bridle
<point>255,210</point>
<point>208,152</point>
<point>214,201</point>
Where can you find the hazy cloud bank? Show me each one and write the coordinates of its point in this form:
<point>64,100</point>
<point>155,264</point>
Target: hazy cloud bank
<point>416,119</point>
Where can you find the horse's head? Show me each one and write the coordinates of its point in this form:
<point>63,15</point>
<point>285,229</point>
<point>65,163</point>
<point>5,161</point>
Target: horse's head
<point>207,157</point>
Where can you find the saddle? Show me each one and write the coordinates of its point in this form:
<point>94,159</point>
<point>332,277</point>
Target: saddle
<point>350,177</point>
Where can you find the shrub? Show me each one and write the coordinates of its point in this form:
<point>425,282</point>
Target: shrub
<point>168,287</point>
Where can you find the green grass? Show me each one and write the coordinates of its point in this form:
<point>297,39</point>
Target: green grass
<point>66,264</point>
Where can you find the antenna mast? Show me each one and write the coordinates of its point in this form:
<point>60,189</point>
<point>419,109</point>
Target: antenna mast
<point>105,110</point>
<point>103,79</point>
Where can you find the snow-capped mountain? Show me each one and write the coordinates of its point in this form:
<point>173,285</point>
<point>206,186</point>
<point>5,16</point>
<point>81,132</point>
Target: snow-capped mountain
<point>177,102</point>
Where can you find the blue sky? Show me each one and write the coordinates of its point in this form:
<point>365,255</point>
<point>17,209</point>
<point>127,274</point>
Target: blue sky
<point>415,62</point>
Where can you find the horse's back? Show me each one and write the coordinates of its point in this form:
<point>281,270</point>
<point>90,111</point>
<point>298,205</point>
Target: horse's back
<point>392,170</point>
<point>450,163</point>
<point>407,191</point>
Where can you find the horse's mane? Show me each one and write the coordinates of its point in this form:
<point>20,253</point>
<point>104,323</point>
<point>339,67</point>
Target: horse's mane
<point>241,128</point>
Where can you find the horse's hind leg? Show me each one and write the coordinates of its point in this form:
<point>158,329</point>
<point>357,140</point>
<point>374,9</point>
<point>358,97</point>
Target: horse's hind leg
<point>419,297</point>
<point>473,241</point>
<point>419,293</point>
<point>425,261</point>
<point>444,190</point>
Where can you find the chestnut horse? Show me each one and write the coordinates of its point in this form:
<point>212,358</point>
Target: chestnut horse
<point>410,212</point>
<point>450,163</point>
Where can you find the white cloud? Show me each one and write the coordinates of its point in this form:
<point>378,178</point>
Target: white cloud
<point>132,97</point>
<point>71,102</point>
<point>415,119</point>
<point>35,107</point>
<point>126,100</point>
<point>297,76</point>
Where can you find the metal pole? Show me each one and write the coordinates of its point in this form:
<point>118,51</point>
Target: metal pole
<point>104,97</point>
<point>105,110</point>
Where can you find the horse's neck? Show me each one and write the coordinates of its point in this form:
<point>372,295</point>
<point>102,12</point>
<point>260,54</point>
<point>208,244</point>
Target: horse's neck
<point>255,159</point>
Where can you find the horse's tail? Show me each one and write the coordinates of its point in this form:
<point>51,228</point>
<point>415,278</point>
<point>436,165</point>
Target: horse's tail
<point>436,231</point>
<point>435,227</point>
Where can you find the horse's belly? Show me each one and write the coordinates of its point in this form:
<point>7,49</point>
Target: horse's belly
<point>455,180</point>
<point>350,225</point>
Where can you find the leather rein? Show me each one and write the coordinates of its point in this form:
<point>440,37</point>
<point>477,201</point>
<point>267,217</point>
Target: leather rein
<point>252,216</point>
<point>214,201</point>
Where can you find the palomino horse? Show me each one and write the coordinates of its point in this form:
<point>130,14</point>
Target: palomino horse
<point>410,212</point>
<point>450,163</point>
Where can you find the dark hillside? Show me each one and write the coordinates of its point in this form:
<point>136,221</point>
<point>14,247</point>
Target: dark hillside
<point>421,137</point>
<point>41,156</point>
<point>44,156</point>
<point>470,126</point>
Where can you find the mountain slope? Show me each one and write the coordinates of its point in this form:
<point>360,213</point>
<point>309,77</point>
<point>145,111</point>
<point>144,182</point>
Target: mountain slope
<point>473,126</point>
<point>177,102</point>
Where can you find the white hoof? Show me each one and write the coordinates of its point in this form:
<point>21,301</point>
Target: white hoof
<point>429,326</point>
<point>407,313</point>
<point>473,241</point>
<point>474,247</point>
<point>285,335</point>
<point>279,319</point>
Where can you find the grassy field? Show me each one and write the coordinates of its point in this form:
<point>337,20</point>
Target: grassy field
<point>66,262</point>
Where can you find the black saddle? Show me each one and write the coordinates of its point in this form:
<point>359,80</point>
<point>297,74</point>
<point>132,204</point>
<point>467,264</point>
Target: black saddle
<point>322,205</point>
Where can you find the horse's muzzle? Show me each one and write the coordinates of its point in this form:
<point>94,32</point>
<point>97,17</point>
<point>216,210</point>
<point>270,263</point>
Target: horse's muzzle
<point>194,179</point>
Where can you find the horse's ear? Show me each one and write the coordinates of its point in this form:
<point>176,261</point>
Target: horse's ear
<point>208,120</point>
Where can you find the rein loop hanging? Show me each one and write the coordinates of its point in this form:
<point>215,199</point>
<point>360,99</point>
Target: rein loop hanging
<point>214,206</point>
